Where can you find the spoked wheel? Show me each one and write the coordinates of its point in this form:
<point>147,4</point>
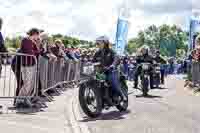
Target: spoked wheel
<point>90,100</point>
<point>145,86</point>
<point>123,105</point>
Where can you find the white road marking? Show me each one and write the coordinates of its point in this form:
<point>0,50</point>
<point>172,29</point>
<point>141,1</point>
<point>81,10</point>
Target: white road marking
<point>74,116</point>
<point>84,128</point>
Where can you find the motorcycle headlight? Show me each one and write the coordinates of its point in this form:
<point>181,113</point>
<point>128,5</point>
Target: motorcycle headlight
<point>145,67</point>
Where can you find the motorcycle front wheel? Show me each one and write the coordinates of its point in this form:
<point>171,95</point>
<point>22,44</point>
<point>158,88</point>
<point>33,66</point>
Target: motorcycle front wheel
<point>145,86</point>
<point>90,100</point>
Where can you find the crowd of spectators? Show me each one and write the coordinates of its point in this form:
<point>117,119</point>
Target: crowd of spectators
<point>36,44</point>
<point>128,64</point>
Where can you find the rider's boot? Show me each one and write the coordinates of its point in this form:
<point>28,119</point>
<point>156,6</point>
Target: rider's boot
<point>136,82</point>
<point>162,81</point>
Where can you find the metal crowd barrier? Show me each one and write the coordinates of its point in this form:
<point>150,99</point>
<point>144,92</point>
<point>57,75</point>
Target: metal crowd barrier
<point>25,76</point>
<point>55,73</point>
<point>18,76</point>
<point>195,72</point>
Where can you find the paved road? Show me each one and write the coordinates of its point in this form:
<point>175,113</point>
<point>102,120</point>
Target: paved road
<point>54,119</point>
<point>8,82</point>
<point>57,118</point>
<point>169,110</point>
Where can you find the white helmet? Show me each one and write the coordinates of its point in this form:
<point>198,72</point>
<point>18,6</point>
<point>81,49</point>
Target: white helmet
<point>103,39</point>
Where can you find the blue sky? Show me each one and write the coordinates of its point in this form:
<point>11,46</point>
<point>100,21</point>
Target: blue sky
<point>91,18</point>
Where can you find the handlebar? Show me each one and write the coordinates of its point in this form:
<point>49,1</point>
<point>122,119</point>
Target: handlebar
<point>96,64</point>
<point>149,64</point>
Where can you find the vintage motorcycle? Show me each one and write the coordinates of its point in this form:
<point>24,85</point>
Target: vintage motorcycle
<point>145,77</point>
<point>95,91</point>
<point>146,69</point>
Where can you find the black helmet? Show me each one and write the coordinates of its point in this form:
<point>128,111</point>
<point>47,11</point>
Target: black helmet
<point>157,52</point>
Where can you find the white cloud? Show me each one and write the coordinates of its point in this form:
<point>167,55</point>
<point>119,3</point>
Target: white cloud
<point>90,18</point>
<point>195,4</point>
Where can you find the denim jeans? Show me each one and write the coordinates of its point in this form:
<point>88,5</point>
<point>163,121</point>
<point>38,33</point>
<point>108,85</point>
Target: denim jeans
<point>113,78</point>
<point>162,73</point>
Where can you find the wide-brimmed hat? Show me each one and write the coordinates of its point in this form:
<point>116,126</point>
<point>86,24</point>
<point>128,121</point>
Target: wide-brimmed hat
<point>33,31</point>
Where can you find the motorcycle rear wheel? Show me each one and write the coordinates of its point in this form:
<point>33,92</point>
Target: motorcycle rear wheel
<point>123,105</point>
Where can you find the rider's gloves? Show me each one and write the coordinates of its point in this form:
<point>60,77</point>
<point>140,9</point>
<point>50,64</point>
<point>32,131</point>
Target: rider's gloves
<point>112,67</point>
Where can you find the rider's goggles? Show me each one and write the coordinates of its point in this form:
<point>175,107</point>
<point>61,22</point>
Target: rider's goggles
<point>98,43</point>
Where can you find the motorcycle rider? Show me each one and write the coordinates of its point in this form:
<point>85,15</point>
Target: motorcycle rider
<point>159,59</point>
<point>108,60</point>
<point>143,57</point>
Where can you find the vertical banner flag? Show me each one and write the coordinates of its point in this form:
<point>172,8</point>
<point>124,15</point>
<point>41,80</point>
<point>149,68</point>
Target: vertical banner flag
<point>121,36</point>
<point>193,30</point>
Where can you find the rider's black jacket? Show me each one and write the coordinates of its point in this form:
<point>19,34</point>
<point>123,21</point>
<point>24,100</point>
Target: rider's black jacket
<point>106,57</point>
<point>160,59</point>
<point>150,59</point>
<point>144,59</point>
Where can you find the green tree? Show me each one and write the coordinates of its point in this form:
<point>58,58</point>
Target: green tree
<point>56,36</point>
<point>169,39</point>
<point>132,46</point>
